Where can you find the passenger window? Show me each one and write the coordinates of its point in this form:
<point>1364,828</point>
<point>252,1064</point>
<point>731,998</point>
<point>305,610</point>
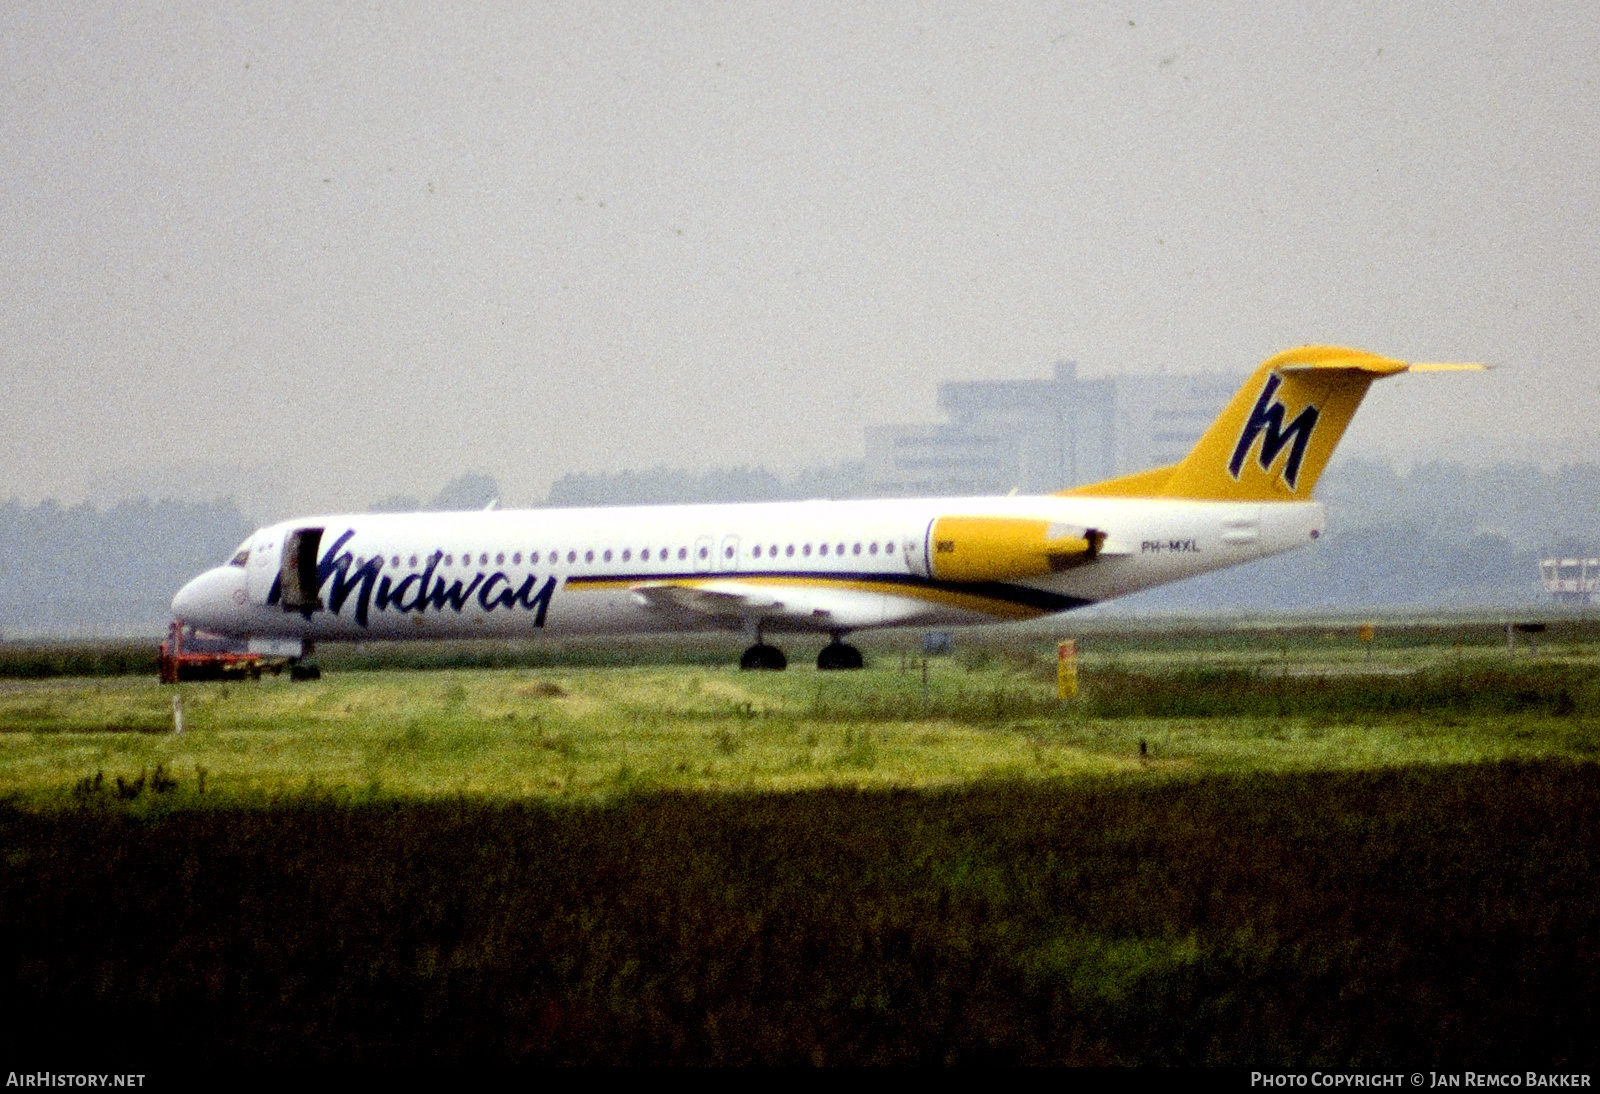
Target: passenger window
<point>822,550</point>
<point>789,550</point>
<point>756,551</point>
<point>683,553</point>
<point>704,552</point>
<point>855,549</point>
<point>607,555</point>
<point>500,559</point>
<point>872,548</point>
<point>395,562</point>
<point>627,555</point>
<point>806,550</point>
<point>572,556</point>
<point>588,556</point>
<point>533,558</point>
<point>644,555</point>
<point>413,562</point>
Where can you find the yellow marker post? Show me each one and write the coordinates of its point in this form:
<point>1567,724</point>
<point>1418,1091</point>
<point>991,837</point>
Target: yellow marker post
<point>1067,669</point>
<point>1366,634</point>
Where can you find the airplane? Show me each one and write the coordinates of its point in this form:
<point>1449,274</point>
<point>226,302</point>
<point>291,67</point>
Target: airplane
<point>812,567</point>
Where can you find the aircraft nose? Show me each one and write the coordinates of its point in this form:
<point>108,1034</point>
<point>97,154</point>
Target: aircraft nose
<point>212,600</point>
<point>189,597</point>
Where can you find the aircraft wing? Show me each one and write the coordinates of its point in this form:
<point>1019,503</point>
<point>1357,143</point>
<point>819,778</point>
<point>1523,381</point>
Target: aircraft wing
<point>797,606</point>
<point>726,599</point>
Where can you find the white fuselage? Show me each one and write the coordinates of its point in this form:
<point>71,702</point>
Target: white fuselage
<point>817,566</point>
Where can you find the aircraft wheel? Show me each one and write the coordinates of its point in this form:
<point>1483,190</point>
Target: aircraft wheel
<point>838,655</point>
<point>763,657</point>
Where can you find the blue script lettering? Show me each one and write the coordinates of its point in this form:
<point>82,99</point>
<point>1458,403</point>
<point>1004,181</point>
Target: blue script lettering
<point>417,592</point>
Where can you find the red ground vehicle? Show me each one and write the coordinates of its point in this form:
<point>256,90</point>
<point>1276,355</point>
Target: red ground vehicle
<point>175,664</point>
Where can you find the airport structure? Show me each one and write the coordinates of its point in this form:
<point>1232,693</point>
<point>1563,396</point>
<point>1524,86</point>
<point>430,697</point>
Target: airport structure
<point>1040,436</point>
<point>1571,580</point>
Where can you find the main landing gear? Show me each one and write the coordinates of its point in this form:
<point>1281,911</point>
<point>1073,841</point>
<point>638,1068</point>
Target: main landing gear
<point>838,655</point>
<point>763,656</point>
<point>835,655</point>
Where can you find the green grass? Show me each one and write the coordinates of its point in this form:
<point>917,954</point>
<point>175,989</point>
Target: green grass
<point>1262,853</point>
<point>575,734</point>
<point>579,733</point>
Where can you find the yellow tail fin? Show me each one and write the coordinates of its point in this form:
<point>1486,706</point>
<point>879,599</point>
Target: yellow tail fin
<point>1273,440</point>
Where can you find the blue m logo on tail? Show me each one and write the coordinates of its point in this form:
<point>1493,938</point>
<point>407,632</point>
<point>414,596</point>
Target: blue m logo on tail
<point>1268,417</point>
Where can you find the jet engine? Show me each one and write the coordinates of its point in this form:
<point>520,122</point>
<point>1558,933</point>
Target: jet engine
<point>1006,548</point>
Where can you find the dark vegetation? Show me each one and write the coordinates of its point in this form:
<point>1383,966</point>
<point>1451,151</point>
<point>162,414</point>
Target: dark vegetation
<point>1203,693</point>
<point>1559,691</point>
<point>1299,636</point>
<point>41,660</point>
<point>1030,648</point>
<point>137,657</point>
<point>1407,918</point>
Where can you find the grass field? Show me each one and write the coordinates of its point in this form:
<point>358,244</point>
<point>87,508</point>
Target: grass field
<point>990,711</point>
<point>1265,847</point>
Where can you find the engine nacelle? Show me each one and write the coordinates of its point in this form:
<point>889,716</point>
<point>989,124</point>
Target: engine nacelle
<point>1006,548</point>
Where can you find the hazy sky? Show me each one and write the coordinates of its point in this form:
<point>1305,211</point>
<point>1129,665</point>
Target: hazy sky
<point>312,255</point>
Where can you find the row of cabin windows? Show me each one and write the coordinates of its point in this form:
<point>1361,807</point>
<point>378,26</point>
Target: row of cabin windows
<point>663,555</point>
<point>822,549</point>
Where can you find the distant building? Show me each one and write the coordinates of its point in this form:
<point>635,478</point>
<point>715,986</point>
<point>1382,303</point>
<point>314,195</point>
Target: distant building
<point>1039,436</point>
<point>1570,580</point>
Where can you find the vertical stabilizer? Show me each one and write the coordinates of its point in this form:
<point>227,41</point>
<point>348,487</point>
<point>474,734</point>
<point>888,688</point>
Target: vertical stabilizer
<point>1274,438</point>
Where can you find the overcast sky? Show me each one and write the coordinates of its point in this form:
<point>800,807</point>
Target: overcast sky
<point>313,255</point>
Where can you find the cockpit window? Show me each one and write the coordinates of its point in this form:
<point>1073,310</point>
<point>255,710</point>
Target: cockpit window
<point>242,555</point>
